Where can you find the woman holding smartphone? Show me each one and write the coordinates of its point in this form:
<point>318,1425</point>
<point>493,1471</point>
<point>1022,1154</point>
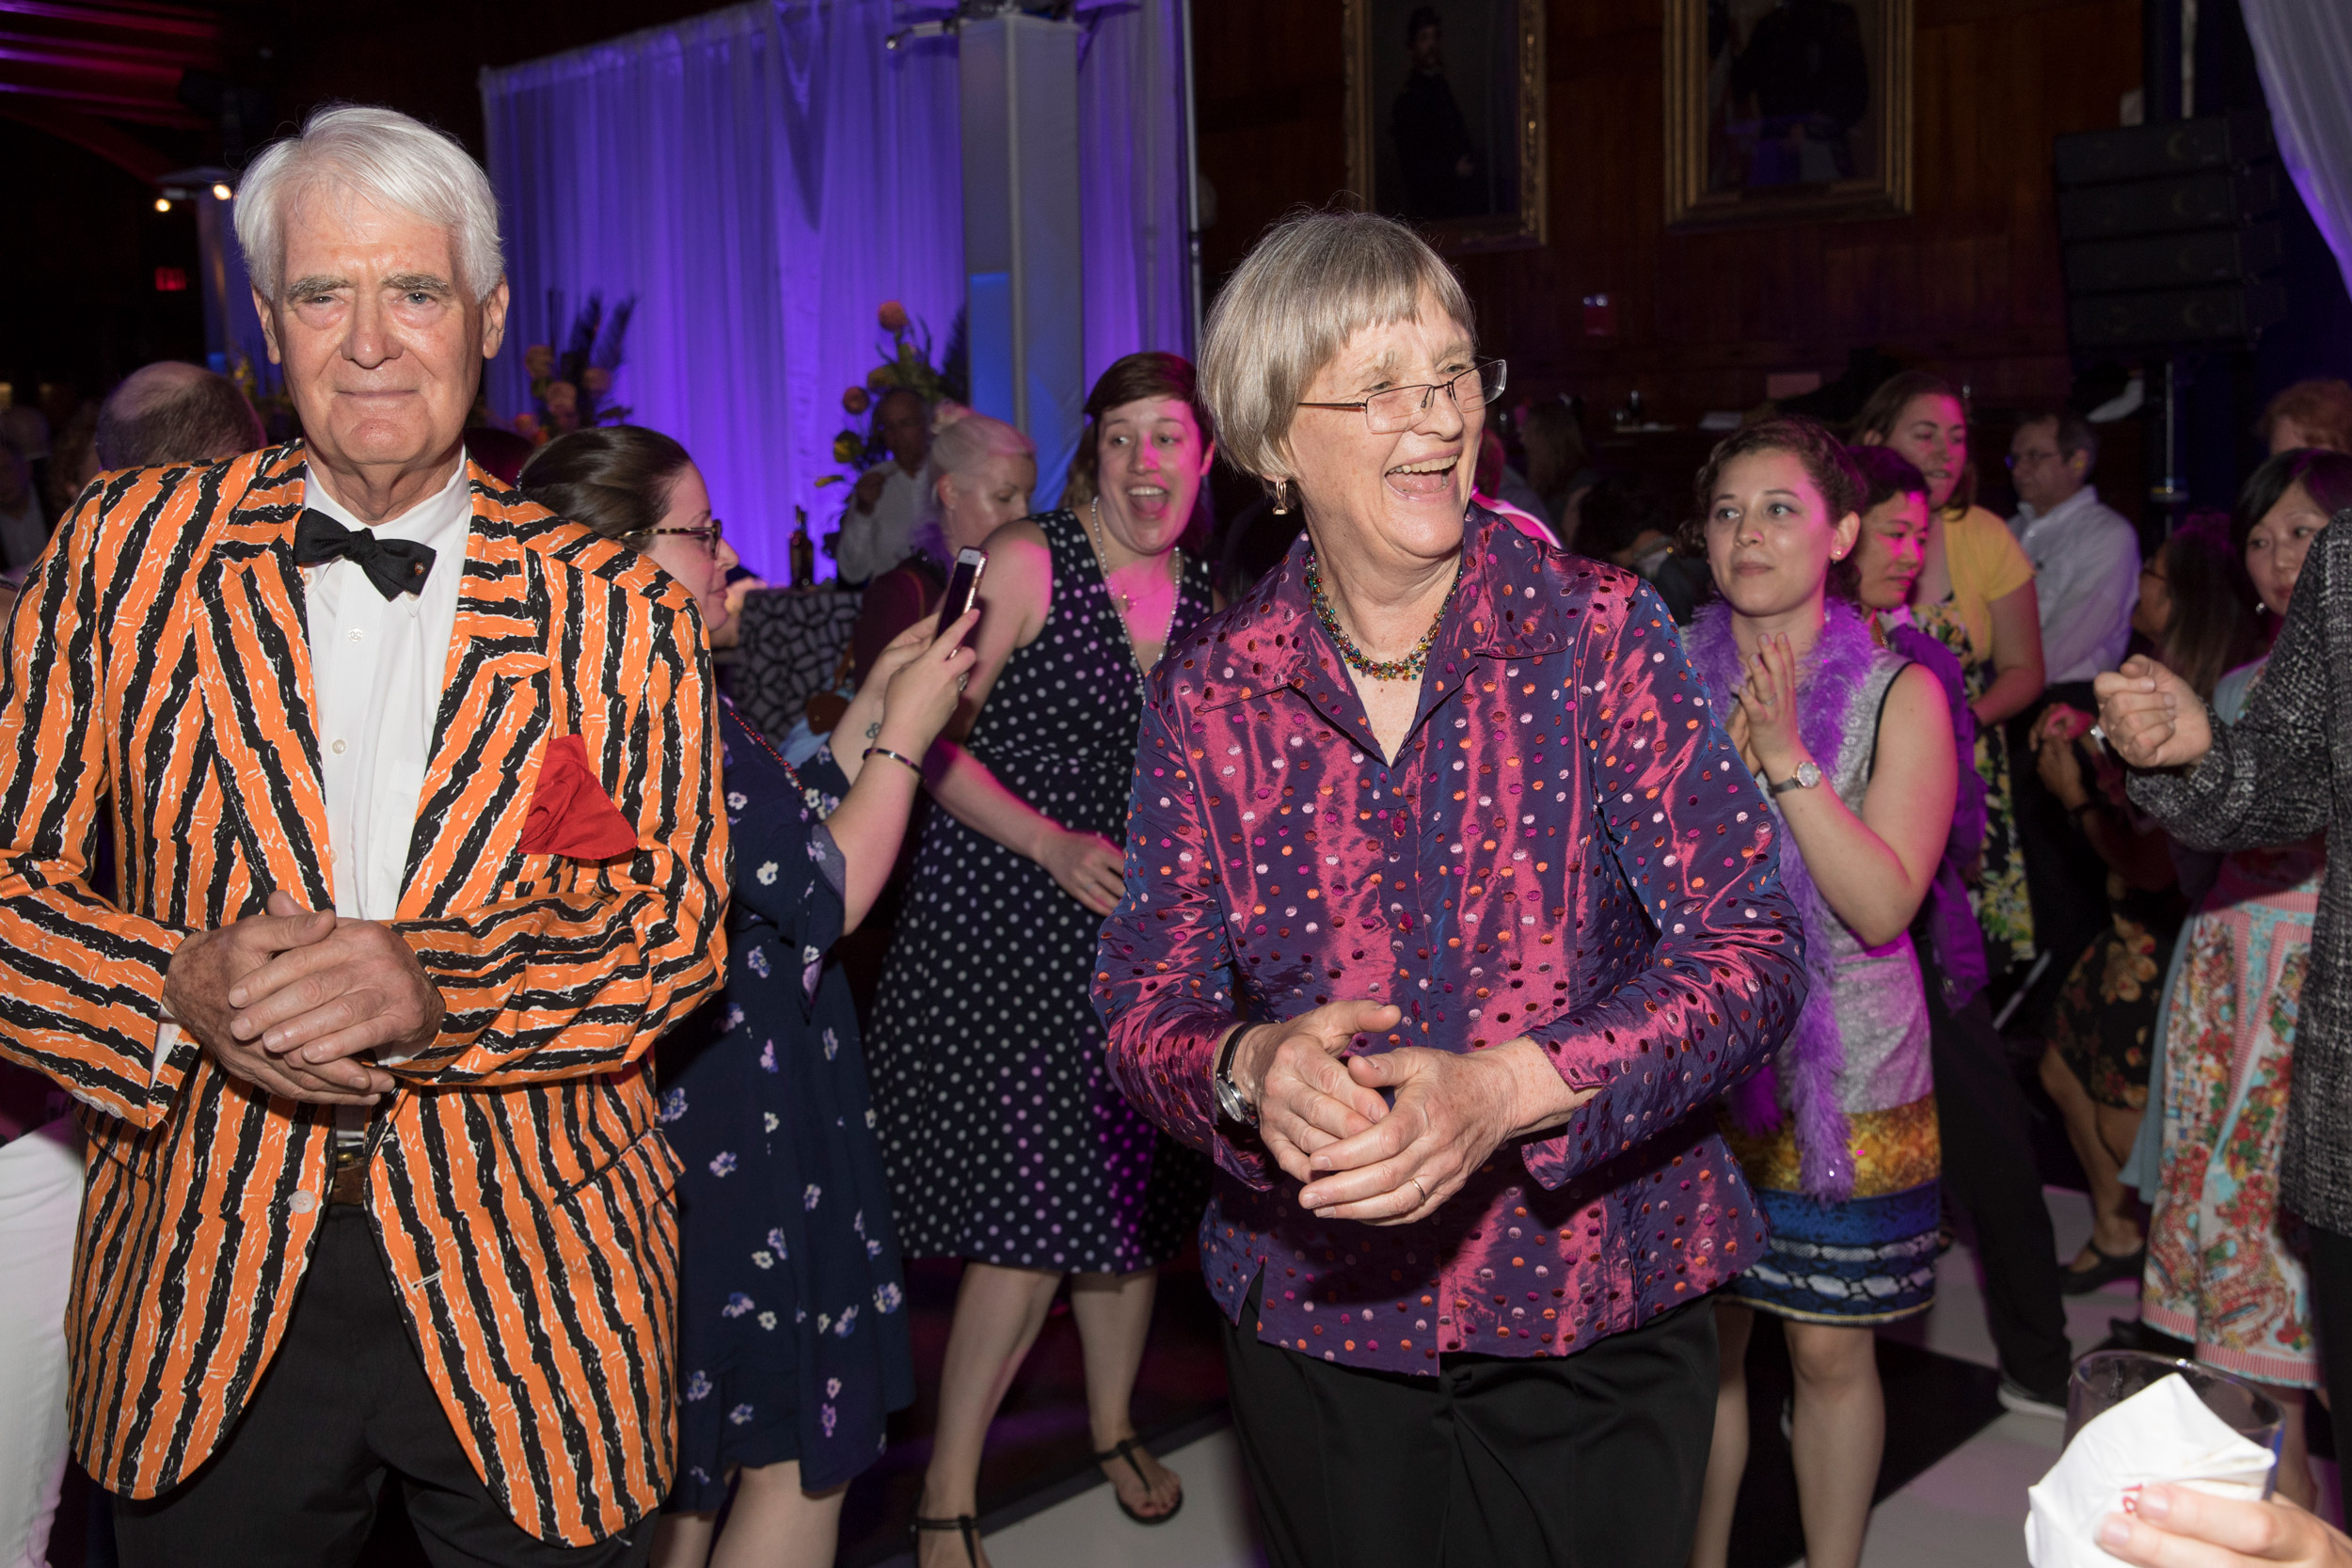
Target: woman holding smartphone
<point>1008,1144</point>
<point>791,1342</point>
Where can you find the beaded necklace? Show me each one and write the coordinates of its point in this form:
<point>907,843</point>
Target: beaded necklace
<point>1406,669</point>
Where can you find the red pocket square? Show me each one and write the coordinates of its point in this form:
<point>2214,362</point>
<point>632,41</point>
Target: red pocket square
<point>570,814</point>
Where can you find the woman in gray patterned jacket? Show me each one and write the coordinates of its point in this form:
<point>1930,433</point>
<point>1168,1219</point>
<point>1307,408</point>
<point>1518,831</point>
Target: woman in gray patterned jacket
<point>2282,773</point>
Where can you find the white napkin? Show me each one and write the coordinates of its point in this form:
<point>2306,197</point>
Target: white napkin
<point>2163,1433</point>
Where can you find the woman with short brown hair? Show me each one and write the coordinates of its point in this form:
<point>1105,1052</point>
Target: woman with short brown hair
<point>1007,1143</point>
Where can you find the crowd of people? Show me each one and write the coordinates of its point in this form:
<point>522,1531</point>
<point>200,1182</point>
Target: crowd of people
<point>1518,926</point>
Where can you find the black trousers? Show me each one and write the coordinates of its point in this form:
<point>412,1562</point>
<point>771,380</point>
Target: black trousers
<point>1587,1461</point>
<point>1988,1174</point>
<point>344,1405</point>
<point>2330,1265</point>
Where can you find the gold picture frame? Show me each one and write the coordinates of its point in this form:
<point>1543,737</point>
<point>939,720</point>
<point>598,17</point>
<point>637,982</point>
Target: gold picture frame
<point>1489,195</point>
<point>1816,155</point>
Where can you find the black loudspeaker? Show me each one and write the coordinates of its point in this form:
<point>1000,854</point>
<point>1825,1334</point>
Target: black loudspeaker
<point>2177,147</point>
<point>2164,236</point>
<point>2172,261</point>
<point>2231,313</point>
<point>2220,198</point>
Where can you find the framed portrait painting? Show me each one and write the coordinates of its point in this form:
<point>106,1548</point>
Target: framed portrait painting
<point>1787,111</point>
<point>1445,117</point>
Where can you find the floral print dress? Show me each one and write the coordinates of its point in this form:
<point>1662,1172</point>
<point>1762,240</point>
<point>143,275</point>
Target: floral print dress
<point>2225,1269</point>
<point>1999,895</point>
<point>793,1339</point>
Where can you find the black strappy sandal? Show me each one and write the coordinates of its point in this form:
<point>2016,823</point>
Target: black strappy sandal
<point>964,1524</point>
<point>2106,1267</point>
<point>1126,1450</point>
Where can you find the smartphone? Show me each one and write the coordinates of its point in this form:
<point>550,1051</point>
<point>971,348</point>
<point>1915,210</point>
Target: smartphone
<point>963,587</point>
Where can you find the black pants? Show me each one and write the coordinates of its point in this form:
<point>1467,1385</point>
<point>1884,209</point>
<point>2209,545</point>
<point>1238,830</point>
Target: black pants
<point>1988,1174</point>
<point>1587,1461</point>
<point>344,1405</point>
<point>2331,1264</point>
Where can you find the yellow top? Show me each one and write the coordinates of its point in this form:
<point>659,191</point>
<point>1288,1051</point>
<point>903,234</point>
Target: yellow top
<point>1986,563</point>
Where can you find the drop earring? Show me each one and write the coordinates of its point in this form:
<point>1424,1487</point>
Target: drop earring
<point>1282,498</point>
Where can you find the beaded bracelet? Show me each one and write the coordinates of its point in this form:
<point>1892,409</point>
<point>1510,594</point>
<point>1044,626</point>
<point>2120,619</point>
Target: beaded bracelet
<point>913,766</point>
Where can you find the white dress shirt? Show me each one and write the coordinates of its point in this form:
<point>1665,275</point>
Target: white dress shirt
<point>872,544</point>
<point>2086,577</point>
<point>377,666</point>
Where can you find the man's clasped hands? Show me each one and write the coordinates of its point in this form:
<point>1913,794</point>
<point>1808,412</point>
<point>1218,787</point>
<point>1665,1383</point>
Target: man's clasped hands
<point>303,1003</point>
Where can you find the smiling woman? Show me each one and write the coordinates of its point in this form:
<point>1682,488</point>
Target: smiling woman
<point>1415,912</point>
<point>1007,1143</point>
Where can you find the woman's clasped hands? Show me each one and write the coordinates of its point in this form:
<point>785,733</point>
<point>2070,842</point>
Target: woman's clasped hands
<point>1763,726</point>
<point>1364,1156</point>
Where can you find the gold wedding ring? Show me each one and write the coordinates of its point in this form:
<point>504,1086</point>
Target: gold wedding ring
<point>1419,1188</point>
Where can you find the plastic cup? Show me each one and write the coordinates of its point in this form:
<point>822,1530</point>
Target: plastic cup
<point>2107,1378</point>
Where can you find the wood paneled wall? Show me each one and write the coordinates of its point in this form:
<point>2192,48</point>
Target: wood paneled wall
<point>1969,281</point>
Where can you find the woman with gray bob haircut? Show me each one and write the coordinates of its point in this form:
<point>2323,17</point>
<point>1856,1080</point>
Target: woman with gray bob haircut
<point>1447,911</point>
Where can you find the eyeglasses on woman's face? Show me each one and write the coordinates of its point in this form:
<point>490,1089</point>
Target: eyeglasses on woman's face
<point>1397,408</point>
<point>711,533</point>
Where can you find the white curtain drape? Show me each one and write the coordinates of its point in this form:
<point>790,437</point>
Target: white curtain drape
<point>1132,169</point>
<point>761,178</point>
<point>2303,49</point>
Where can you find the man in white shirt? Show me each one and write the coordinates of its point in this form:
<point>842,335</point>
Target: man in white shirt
<point>2086,555</point>
<point>889,495</point>
<point>2085,561</point>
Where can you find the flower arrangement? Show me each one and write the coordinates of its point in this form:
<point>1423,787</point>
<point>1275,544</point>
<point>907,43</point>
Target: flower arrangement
<point>571,387</point>
<point>906,363</point>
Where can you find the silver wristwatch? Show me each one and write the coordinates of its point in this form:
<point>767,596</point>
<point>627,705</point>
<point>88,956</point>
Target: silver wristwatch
<point>1807,774</point>
<point>1230,1105</point>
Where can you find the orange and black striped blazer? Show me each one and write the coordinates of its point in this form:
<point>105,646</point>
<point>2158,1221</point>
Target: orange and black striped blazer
<point>158,676</point>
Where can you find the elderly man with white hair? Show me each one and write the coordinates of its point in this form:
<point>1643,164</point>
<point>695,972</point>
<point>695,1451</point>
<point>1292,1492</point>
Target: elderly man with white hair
<point>419,847</point>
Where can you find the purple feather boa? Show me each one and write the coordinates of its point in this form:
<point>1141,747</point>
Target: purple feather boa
<point>1814,1053</point>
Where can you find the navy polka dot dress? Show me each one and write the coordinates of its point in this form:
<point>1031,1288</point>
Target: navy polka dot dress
<point>792,1333</point>
<point>1005,1140</point>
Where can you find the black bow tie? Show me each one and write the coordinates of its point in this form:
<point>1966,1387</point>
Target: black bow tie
<point>396,567</point>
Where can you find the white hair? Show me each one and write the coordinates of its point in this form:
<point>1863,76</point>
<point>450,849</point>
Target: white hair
<point>961,439</point>
<point>385,158</point>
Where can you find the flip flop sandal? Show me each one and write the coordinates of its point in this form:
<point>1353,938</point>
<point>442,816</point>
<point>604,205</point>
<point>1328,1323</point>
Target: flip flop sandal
<point>1126,1450</point>
<point>963,1523</point>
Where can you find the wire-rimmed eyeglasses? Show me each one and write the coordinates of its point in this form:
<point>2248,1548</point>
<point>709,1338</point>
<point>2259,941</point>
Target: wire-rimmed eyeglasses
<point>1397,407</point>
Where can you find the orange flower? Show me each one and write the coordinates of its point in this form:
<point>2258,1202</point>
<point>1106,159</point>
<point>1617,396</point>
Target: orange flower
<point>562,396</point>
<point>596,379</point>
<point>855,400</point>
<point>892,315</point>
<point>539,359</point>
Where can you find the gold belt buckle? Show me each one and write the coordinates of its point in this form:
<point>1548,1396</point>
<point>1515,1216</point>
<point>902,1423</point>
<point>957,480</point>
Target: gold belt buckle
<point>350,1182</point>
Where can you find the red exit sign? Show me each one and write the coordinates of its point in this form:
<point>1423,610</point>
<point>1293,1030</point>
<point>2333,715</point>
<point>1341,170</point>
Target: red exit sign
<point>171,280</point>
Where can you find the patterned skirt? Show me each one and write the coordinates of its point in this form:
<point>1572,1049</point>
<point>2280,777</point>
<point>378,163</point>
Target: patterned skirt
<point>2104,1023</point>
<point>2225,1269</point>
<point>1869,1259</point>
